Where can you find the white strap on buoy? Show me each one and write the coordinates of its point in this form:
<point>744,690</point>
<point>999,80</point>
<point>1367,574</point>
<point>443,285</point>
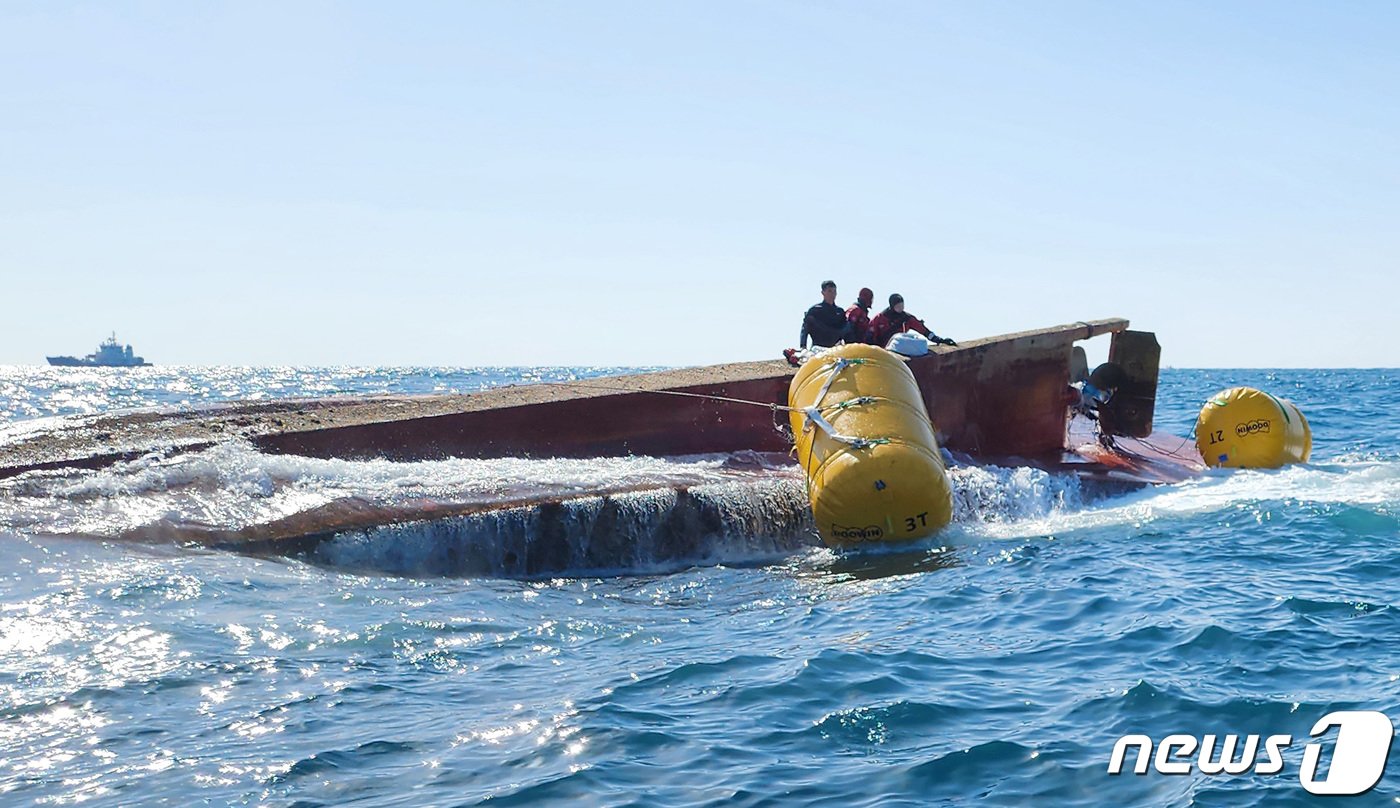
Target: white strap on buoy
<point>815,417</point>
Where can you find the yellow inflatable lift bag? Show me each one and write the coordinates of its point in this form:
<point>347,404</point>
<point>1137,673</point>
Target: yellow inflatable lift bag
<point>874,473</point>
<point>1245,428</point>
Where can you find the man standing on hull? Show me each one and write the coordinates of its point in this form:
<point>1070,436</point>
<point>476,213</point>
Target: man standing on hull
<point>825,322</point>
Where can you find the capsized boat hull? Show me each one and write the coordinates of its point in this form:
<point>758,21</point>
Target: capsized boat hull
<point>990,398</point>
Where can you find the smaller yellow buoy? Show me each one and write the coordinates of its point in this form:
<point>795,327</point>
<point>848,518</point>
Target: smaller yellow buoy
<point>1245,428</point>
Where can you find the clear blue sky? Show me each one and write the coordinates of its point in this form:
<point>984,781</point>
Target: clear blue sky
<point>668,182</point>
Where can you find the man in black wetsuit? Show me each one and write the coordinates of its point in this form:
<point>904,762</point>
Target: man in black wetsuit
<point>825,322</point>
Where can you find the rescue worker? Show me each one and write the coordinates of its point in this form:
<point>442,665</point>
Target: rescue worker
<point>895,319</point>
<point>858,315</point>
<point>825,323</point>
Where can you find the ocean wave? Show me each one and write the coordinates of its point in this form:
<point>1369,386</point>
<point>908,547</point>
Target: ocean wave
<point>527,517</point>
<point>232,486</point>
<point>514,517</point>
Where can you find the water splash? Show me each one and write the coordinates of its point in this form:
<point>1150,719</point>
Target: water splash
<point>646,531</point>
<point>523,518</point>
<point>993,494</point>
<point>1369,486</point>
<point>233,486</point>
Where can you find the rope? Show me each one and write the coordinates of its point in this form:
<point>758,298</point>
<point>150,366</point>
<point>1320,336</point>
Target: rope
<point>1174,452</point>
<point>837,366</point>
<point>852,402</point>
<point>814,413</point>
<point>707,396</point>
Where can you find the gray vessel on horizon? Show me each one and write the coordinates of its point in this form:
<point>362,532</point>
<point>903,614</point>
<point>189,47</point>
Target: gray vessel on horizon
<point>110,354</point>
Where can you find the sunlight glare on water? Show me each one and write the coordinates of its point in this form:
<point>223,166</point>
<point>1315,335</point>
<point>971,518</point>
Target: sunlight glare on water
<point>999,667</point>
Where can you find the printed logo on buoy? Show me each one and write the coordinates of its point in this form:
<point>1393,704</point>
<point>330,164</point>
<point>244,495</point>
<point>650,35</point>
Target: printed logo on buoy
<point>1252,427</point>
<point>867,533</point>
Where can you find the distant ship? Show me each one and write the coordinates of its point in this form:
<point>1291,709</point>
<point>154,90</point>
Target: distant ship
<point>110,354</point>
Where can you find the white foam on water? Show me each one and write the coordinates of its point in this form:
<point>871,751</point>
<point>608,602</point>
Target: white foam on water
<point>233,485</point>
<point>998,495</point>
<point>16,431</point>
<point>1371,485</point>
<point>749,506</point>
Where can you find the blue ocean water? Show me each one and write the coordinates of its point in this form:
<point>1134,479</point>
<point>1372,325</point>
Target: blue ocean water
<point>998,667</point>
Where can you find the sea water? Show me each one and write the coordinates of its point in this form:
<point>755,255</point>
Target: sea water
<point>745,665</point>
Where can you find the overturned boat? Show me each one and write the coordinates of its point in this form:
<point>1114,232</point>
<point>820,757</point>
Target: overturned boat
<point>1001,400</point>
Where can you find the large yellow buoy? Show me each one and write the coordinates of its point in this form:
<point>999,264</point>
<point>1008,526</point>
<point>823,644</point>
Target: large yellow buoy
<point>1250,429</point>
<point>864,438</point>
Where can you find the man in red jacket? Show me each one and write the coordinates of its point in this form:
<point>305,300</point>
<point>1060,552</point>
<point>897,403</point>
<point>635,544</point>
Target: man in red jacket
<point>895,319</point>
<point>858,315</point>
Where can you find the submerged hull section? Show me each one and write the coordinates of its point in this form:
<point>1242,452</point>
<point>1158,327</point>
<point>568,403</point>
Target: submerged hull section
<point>651,529</point>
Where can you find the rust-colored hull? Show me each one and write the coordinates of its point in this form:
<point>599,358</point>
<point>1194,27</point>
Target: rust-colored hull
<point>1003,396</point>
<point>610,420</point>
